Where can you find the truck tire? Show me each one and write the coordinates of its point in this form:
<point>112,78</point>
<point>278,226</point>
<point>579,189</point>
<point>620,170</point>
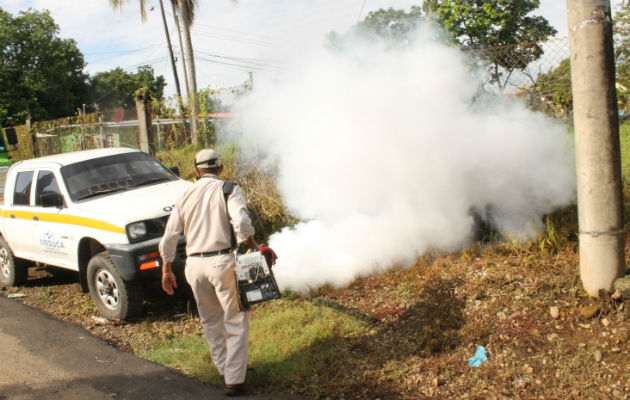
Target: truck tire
<point>115,298</point>
<point>13,272</point>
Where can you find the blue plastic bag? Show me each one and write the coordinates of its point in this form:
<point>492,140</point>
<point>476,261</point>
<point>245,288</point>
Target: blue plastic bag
<point>481,355</point>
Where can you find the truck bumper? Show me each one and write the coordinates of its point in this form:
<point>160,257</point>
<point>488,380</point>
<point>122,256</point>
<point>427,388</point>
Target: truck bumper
<point>142,260</point>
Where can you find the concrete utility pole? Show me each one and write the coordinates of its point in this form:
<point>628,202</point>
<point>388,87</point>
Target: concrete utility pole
<point>145,139</point>
<point>597,144</point>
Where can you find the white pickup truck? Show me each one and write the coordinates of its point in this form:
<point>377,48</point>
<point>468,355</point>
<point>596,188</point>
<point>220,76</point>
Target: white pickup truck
<point>99,212</point>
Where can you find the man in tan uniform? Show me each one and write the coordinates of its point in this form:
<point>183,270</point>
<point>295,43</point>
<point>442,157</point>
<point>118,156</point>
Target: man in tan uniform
<point>201,214</point>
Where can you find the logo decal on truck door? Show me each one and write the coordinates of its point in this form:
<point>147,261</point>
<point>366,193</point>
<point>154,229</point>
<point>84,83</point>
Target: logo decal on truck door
<point>52,244</point>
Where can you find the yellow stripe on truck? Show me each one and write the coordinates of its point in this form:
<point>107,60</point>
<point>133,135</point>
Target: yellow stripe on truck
<point>65,219</point>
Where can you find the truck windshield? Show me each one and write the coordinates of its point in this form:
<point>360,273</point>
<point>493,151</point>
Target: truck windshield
<point>104,175</point>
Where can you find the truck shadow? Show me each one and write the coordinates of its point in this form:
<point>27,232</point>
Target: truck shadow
<point>45,276</point>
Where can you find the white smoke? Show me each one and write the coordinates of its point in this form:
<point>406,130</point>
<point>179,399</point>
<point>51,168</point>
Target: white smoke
<point>382,153</point>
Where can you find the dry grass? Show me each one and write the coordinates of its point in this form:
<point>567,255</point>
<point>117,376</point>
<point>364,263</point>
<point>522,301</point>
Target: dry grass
<point>406,333</point>
<point>419,325</point>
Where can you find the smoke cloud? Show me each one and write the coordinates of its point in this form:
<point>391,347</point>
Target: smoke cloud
<point>382,152</point>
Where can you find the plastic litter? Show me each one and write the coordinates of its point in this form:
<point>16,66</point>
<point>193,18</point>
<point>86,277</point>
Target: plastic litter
<point>480,356</point>
<point>14,295</point>
<point>100,321</point>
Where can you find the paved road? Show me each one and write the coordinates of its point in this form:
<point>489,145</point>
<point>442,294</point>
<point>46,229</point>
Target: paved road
<point>44,358</point>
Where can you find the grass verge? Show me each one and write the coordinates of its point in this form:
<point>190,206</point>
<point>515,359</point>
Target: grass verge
<point>288,338</point>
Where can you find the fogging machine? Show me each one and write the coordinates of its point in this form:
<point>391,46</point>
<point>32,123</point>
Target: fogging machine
<point>255,280</point>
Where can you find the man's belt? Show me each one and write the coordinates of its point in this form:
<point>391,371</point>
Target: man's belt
<point>211,253</point>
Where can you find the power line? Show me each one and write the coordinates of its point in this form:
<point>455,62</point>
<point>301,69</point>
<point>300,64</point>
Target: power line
<point>123,51</point>
<point>244,67</point>
<point>238,39</point>
<point>252,36</point>
<point>161,46</point>
<point>250,61</point>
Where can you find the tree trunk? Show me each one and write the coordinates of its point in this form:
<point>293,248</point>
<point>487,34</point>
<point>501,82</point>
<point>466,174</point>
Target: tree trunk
<point>182,110</point>
<point>192,81</point>
<point>181,46</point>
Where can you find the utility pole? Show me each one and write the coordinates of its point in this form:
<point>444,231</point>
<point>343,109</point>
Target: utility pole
<point>170,52</point>
<point>597,146</point>
<point>145,139</point>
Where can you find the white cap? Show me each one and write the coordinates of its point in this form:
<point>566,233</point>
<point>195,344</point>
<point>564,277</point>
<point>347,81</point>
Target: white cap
<point>207,158</point>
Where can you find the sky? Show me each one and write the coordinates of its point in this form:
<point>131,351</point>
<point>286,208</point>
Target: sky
<point>231,38</point>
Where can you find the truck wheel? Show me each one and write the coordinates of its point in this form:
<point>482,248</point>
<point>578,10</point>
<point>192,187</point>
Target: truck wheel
<point>12,272</point>
<point>114,297</point>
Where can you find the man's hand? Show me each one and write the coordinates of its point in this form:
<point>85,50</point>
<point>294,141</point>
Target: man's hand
<point>169,282</point>
<point>268,253</point>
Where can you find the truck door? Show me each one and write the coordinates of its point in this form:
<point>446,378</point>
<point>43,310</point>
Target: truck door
<point>19,223</point>
<point>53,226</point>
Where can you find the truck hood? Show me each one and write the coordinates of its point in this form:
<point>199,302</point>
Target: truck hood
<point>137,204</point>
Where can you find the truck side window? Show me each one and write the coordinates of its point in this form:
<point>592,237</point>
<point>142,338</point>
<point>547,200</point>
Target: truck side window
<point>46,183</point>
<point>22,193</point>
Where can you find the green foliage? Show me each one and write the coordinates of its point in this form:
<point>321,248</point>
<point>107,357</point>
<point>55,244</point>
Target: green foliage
<point>555,87</point>
<point>479,24</point>
<point>391,24</point>
<point>211,100</point>
<point>116,88</point>
<point>394,26</point>
<point>621,29</point>
<point>40,73</point>
<point>182,157</point>
<point>624,134</point>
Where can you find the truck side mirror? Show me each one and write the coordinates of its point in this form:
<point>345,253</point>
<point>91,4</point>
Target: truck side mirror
<point>174,169</point>
<point>51,199</point>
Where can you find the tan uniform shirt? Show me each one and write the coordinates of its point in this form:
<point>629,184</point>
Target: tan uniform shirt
<point>200,214</point>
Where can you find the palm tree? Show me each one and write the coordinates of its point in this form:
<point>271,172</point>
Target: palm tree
<point>186,15</point>
<point>181,44</point>
<point>143,10</point>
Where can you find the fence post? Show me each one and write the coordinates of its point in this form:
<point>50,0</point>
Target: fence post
<point>145,140</point>
<point>101,131</point>
<point>33,136</point>
<point>159,132</point>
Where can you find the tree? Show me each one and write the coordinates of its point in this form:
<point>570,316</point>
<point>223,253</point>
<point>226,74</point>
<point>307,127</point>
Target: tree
<point>488,24</point>
<point>555,88</point>
<point>393,26</point>
<point>185,16</point>
<point>115,88</point>
<point>40,74</point>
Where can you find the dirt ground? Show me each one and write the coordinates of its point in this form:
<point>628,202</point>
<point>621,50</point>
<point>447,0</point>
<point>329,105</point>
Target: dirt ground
<point>545,338</point>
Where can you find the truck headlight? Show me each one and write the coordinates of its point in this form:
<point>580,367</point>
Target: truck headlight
<point>137,230</point>
<point>148,229</point>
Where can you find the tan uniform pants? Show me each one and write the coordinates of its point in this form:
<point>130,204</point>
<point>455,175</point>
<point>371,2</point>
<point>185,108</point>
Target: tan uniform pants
<point>226,328</point>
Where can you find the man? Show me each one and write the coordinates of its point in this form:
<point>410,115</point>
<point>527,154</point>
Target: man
<point>204,217</point>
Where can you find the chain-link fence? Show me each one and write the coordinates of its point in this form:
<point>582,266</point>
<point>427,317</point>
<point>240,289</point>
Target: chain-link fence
<point>90,131</point>
<point>536,73</point>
